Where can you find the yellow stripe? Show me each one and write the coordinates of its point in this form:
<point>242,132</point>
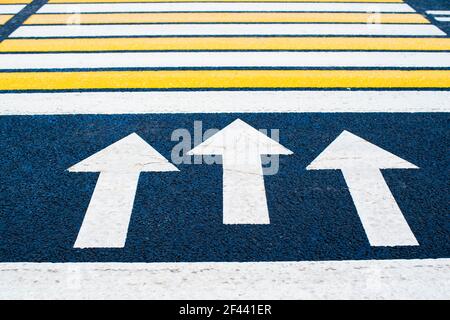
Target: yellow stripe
<point>224,79</point>
<point>114,1</point>
<point>113,18</point>
<point>4,18</point>
<point>225,43</point>
<point>15,1</point>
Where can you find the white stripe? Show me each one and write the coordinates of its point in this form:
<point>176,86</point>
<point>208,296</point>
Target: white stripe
<point>444,19</point>
<point>226,29</point>
<point>224,59</point>
<point>364,279</point>
<point>10,8</point>
<point>223,101</point>
<point>229,7</point>
<point>439,12</point>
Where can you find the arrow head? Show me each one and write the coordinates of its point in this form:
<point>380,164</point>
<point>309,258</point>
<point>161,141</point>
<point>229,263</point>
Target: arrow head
<point>237,137</point>
<point>130,154</point>
<point>349,151</point>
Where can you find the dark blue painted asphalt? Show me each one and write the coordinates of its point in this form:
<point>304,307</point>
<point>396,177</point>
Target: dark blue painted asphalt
<point>177,216</point>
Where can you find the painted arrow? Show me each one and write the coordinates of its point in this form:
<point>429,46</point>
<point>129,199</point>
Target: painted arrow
<point>244,193</point>
<point>105,224</point>
<point>361,162</point>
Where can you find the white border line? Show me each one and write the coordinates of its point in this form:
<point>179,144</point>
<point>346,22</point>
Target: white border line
<point>223,101</point>
<point>364,279</point>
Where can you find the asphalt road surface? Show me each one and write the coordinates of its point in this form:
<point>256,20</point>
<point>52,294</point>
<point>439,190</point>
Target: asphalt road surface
<point>224,150</point>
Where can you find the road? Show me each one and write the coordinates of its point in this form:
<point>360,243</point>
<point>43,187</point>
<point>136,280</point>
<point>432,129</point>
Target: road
<point>224,150</point>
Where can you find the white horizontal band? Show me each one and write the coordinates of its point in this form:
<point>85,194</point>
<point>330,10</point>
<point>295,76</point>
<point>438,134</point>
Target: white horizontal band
<point>223,101</point>
<point>224,59</point>
<point>439,12</point>
<point>225,7</point>
<point>225,29</point>
<point>10,8</point>
<point>443,19</point>
<point>364,279</point>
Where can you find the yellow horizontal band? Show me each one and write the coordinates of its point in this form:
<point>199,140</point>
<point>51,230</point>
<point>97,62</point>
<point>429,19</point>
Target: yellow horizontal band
<point>4,18</point>
<point>143,1</point>
<point>239,17</point>
<point>15,1</point>
<point>225,43</point>
<point>224,79</point>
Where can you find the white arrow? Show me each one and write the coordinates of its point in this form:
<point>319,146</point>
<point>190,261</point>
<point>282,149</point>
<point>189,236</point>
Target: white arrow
<point>105,224</point>
<point>244,193</point>
<point>360,162</point>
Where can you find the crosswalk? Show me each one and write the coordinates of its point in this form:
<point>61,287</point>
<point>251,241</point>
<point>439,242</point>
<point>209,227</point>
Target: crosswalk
<point>79,45</point>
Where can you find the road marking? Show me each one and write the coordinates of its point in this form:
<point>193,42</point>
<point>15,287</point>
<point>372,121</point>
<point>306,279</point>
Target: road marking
<point>10,8</point>
<point>225,7</point>
<point>244,193</point>
<point>439,12</point>
<point>443,19</point>
<point>107,217</point>
<point>359,279</point>
<point>199,1</point>
<point>5,18</point>
<point>224,43</point>
<point>223,102</point>
<point>440,15</point>
<point>20,1</point>
<point>360,162</point>
<point>105,224</point>
<point>225,60</point>
<point>230,79</point>
<point>226,29</point>
<point>210,17</point>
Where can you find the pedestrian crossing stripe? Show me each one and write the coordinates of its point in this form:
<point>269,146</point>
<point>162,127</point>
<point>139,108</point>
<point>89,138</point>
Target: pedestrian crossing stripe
<point>4,18</point>
<point>129,1</point>
<point>226,44</point>
<point>11,8</point>
<point>225,29</point>
<point>227,7</point>
<point>224,60</point>
<point>2,2</point>
<point>220,79</point>
<point>225,17</point>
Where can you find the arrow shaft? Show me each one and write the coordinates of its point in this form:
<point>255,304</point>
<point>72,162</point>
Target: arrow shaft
<point>380,214</point>
<point>105,224</point>
<point>244,193</point>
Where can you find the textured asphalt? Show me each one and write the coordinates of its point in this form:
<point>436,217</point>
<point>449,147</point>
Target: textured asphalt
<point>177,216</point>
